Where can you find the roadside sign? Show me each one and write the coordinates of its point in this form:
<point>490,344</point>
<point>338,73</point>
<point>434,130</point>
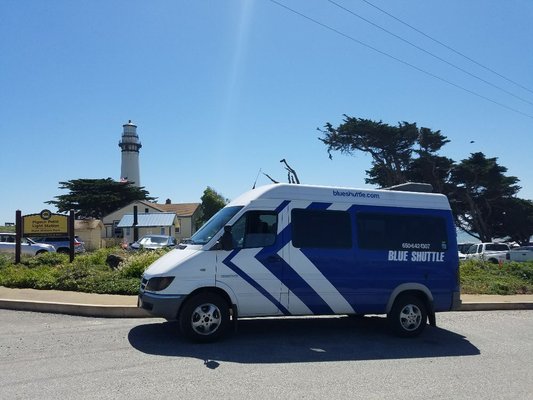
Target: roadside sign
<point>45,224</point>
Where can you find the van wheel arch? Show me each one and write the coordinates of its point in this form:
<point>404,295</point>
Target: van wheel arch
<point>414,289</point>
<point>206,290</point>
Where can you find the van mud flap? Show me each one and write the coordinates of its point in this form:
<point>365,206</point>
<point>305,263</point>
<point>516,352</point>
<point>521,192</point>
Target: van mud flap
<point>234,316</point>
<point>431,314</point>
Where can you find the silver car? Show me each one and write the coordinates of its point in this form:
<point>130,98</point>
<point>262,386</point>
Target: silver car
<point>28,247</point>
<point>154,242</point>
<point>62,243</point>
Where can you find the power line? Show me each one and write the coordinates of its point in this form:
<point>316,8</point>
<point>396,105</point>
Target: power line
<point>398,59</point>
<point>448,47</point>
<point>428,52</point>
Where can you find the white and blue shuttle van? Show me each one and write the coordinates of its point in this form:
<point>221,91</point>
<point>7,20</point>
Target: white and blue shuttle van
<point>288,249</point>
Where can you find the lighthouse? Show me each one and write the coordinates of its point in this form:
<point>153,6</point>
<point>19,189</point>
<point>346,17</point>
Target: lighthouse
<point>130,145</point>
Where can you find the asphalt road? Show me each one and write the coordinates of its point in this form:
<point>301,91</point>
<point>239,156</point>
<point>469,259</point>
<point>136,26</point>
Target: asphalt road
<point>471,355</point>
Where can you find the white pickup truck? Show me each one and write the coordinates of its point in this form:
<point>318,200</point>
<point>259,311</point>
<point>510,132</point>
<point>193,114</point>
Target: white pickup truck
<point>492,252</point>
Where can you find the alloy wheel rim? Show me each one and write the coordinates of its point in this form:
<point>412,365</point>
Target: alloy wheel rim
<point>206,319</point>
<point>410,317</point>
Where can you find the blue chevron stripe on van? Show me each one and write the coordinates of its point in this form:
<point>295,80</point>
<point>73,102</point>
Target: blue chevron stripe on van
<point>230,264</point>
<point>283,204</point>
<point>319,206</point>
<point>227,261</point>
<point>289,277</point>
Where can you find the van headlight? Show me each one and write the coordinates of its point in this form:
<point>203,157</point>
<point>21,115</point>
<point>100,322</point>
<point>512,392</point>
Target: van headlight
<point>159,283</point>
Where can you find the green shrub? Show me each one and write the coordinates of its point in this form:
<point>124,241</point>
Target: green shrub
<point>87,273</point>
<point>21,276</point>
<point>45,259</point>
<point>97,257</point>
<point>478,277</point>
<point>136,263</point>
<point>5,260</point>
<point>522,270</point>
<point>110,283</point>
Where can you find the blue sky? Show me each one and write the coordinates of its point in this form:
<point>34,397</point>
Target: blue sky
<point>221,89</point>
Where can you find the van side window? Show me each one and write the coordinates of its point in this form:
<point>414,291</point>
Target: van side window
<point>255,229</point>
<point>376,231</point>
<point>321,229</point>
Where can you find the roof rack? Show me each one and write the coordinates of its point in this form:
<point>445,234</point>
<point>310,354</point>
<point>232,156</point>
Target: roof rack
<point>412,187</point>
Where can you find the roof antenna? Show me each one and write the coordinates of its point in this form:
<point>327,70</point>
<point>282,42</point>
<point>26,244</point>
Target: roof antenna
<point>256,178</point>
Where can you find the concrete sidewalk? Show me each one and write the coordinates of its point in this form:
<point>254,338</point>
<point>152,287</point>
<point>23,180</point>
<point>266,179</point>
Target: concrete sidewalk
<point>114,306</point>
<point>73,303</point>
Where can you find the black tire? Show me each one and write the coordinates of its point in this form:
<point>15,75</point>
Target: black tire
<point>204,317</point>
<point>408,316</point>
<point>63,250</point>
<point>41,252</point>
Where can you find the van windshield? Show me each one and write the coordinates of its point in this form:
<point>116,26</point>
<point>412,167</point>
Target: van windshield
<point>215,224</point>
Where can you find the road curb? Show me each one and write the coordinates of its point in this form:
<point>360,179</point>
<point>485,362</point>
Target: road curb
<point>496,306</point>
<point>122,311</point>
<point>84,310</point>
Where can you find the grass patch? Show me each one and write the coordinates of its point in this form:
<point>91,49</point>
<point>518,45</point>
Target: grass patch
<point>479,277</point>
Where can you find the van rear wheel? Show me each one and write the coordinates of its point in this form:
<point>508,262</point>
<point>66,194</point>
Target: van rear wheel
<point>408,316</point>
<point>204,317</point>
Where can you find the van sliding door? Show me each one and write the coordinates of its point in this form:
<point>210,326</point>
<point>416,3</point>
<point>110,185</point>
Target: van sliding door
<point>319,275</point>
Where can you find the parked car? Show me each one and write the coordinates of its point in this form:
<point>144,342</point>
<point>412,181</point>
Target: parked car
<point>28,246</point>
<point>463,249</point>
<point>153,242</point>
<point>524,253</point>
<point>62,243</point>
<point>492,252</point>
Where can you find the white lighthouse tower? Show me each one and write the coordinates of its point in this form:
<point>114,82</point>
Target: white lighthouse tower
<point>130,145</point>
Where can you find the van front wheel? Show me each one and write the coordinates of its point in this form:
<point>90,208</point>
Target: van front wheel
<point>408,316</point>
<point>204,317</point>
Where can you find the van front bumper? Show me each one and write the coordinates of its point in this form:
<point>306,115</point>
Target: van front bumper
<point>159,305</point>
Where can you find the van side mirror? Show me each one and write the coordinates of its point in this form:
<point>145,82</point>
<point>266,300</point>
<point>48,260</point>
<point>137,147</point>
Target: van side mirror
<point>226,241</point>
